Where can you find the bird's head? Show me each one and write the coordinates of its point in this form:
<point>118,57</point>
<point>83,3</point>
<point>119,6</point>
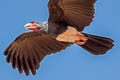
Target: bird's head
<point>32,26</point>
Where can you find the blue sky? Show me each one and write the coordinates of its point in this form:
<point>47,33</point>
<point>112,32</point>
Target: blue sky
<point>74,63</point>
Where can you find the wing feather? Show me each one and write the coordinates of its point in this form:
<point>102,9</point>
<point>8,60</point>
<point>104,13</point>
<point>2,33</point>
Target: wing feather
<point>28,50</point>
<point>76,13</point>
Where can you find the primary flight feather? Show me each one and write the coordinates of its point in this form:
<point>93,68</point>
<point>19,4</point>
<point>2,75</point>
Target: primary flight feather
<point>67,18</point>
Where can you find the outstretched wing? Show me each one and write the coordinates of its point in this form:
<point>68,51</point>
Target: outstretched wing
<point>27,51</point>
<point>75,13</point>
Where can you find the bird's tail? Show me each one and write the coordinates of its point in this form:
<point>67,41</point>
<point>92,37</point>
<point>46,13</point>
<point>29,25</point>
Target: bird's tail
<point>97,45</point>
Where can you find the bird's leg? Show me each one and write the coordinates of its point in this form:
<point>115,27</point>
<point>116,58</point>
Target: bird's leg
<point>82,39</point>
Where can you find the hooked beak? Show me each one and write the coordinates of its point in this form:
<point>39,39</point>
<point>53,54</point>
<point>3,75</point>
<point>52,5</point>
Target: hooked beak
<point>27,26</point>
<point>31,26</point>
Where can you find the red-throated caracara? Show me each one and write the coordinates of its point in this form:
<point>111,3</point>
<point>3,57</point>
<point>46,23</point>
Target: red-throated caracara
<point>67,19</point>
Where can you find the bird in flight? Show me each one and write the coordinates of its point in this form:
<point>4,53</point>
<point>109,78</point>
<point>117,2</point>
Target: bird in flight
<point>67,19</point>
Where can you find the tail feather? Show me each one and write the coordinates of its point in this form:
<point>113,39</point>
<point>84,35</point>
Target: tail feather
<point>97,45</point>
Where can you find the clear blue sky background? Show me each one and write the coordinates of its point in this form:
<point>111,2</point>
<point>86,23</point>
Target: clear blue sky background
<point>74,63</point>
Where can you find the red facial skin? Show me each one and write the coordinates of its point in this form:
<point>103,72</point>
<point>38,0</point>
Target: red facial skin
<point>34,28</point>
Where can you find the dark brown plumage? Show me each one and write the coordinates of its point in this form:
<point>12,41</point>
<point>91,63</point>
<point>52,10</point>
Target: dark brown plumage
<point>28,50</point>
<point>97,45</point>
<point>75,13</point>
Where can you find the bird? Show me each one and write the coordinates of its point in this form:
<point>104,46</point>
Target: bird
<point>67,19</point>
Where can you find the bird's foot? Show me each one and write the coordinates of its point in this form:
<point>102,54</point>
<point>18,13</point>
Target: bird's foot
<point>82,39</point>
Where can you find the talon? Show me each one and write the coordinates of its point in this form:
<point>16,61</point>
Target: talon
<point>82,40</point>
<point>79,43</point>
